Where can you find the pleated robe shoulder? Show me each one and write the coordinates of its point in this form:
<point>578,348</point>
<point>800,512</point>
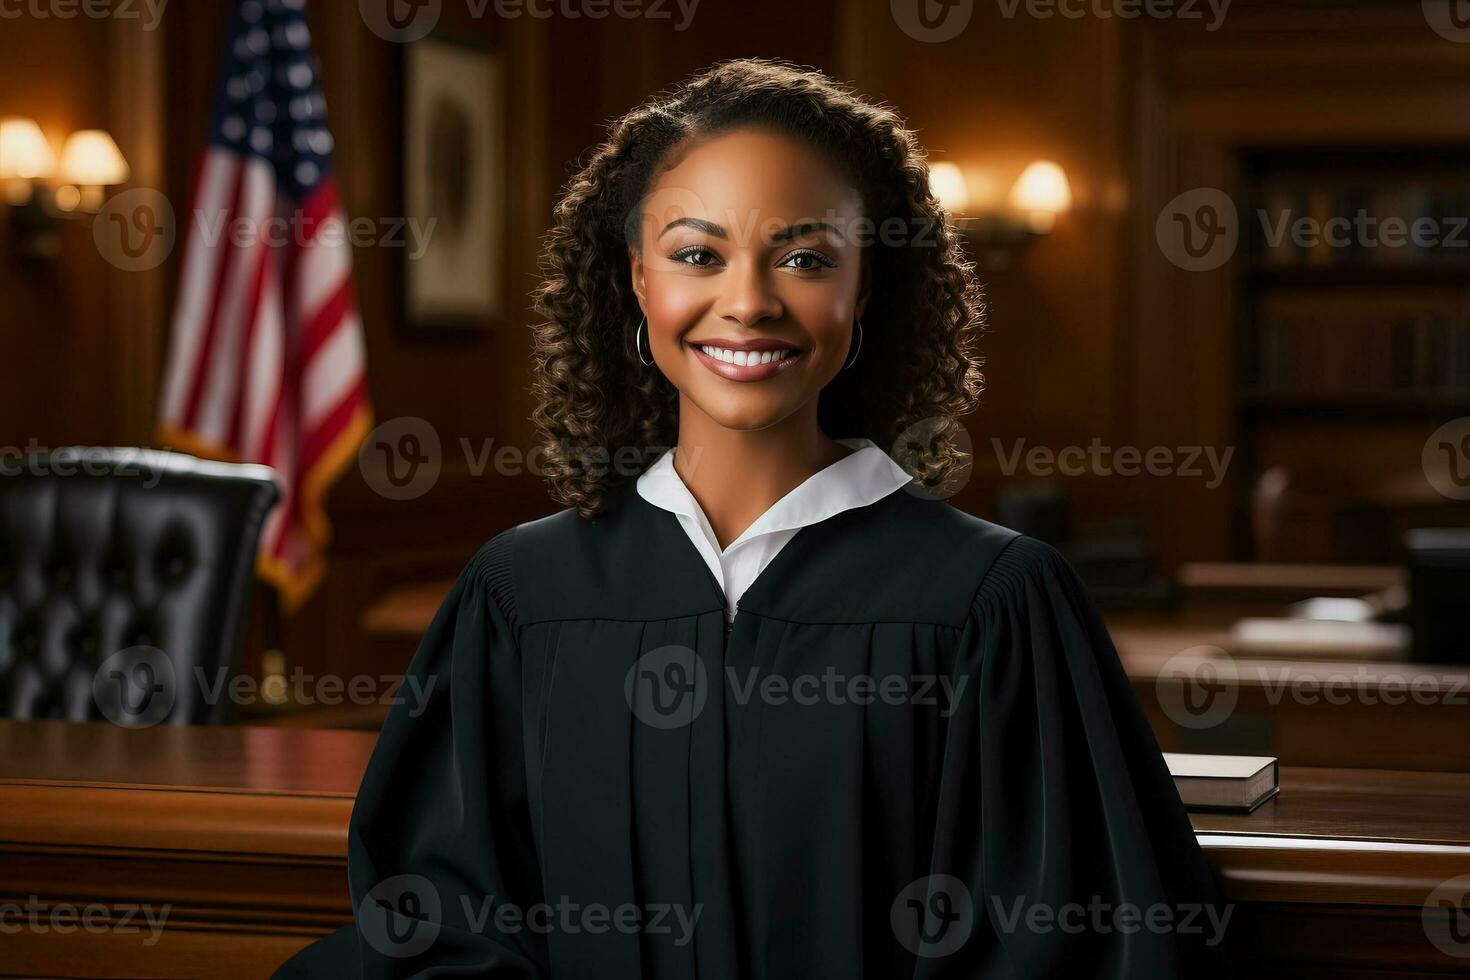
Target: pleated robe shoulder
<point>914,754</point>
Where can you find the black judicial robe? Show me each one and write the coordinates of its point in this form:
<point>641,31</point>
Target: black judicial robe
<point>594,768</point>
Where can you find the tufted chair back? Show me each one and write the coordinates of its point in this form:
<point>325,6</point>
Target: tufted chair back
<point>112,560</point>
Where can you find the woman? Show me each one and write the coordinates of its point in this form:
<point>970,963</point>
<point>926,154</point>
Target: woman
<point>758,703</point>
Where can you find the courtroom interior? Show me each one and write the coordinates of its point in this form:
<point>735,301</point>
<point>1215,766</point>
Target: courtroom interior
<point>1226,274</point>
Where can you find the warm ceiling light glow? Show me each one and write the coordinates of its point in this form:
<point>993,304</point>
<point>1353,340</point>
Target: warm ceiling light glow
<point>948,184</point>
<point>92,159</point>
<point>24,152</point>
<point>1042,187</point>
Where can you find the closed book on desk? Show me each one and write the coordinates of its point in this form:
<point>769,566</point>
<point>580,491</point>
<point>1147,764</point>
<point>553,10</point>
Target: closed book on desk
<point>1319,639</point>
<point>1223,782</point>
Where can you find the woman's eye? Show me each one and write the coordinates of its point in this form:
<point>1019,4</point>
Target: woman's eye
<point>696,255</point>
<point>807,261</point>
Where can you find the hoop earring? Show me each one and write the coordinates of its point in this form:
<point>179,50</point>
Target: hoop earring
<point>640,342</point>
<point>853,359</point>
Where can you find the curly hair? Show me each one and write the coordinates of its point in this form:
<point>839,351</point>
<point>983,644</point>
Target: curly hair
<point>921,325</point>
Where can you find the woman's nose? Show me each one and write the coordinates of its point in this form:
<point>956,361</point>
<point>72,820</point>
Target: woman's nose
<point>749,297</point>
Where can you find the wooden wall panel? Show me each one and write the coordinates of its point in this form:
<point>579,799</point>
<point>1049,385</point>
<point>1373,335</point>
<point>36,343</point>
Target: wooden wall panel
<point>59,335</point>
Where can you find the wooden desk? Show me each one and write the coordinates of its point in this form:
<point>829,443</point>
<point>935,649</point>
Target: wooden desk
<point>1317,713</point>
<point>233,839</point>
<point>1331,878</point>
<point>1285,582</point>
<point>406,610</point>
<point>242,834</point>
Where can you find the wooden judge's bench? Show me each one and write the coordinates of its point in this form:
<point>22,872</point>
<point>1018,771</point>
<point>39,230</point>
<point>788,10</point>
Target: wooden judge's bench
<point>217,852</point>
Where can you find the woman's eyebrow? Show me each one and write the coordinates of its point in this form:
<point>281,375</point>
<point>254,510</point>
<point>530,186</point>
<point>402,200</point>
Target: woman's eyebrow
<point>777,237</point>
<point>698,224</point>
<point>804,228</point>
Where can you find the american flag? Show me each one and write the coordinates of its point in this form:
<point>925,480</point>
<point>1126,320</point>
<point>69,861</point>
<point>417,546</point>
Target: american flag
<point>266,363</point>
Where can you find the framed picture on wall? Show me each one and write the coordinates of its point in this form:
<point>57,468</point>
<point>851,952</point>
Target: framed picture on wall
<point>454,185</point>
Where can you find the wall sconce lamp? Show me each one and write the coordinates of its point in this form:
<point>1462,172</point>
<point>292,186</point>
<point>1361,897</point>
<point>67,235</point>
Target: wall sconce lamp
<point>996,235</point>
<point>42,191</point>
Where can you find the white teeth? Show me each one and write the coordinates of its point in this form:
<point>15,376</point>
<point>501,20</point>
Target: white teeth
<point>745,358</point>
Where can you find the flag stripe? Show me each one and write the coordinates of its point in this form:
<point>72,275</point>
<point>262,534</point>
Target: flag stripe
<point>321,326</point>
<point>323,267</point>
<point>255,311</point>
<point>223,252</point>
<point>325,432</point>
<point>334,371</point>
<point>217,175</point>
<point>265,377</point>
<point>236,295</point>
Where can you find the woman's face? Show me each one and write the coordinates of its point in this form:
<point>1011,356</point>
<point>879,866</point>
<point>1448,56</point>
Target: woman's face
<point>750,275</point>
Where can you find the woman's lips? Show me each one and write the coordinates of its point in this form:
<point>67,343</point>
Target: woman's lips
<point>747,372</point>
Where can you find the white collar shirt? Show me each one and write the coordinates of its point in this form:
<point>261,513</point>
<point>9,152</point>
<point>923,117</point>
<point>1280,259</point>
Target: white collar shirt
<point>862,477</point>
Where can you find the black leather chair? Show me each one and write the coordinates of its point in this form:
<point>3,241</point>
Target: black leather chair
<point>125,576</point>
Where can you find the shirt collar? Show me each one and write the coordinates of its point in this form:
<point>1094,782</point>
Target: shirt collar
<point>860,478</point>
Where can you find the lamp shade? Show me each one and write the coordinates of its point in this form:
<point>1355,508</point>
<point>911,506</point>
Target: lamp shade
<point>1042,186</point>
<point>24,152</point>
<point>91,158</point>
<point>948,184</point>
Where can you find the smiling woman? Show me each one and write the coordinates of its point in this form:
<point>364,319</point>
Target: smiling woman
<point>768,687</point>
<point>755,205</point>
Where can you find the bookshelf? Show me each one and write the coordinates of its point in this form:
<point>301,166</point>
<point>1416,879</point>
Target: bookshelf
<point>1353,316</point>
<point>1357,281</point>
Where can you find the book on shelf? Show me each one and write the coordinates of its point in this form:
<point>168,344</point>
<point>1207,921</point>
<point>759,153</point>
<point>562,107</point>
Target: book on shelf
<point>1326,224</point>
<point>1425,354</point>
